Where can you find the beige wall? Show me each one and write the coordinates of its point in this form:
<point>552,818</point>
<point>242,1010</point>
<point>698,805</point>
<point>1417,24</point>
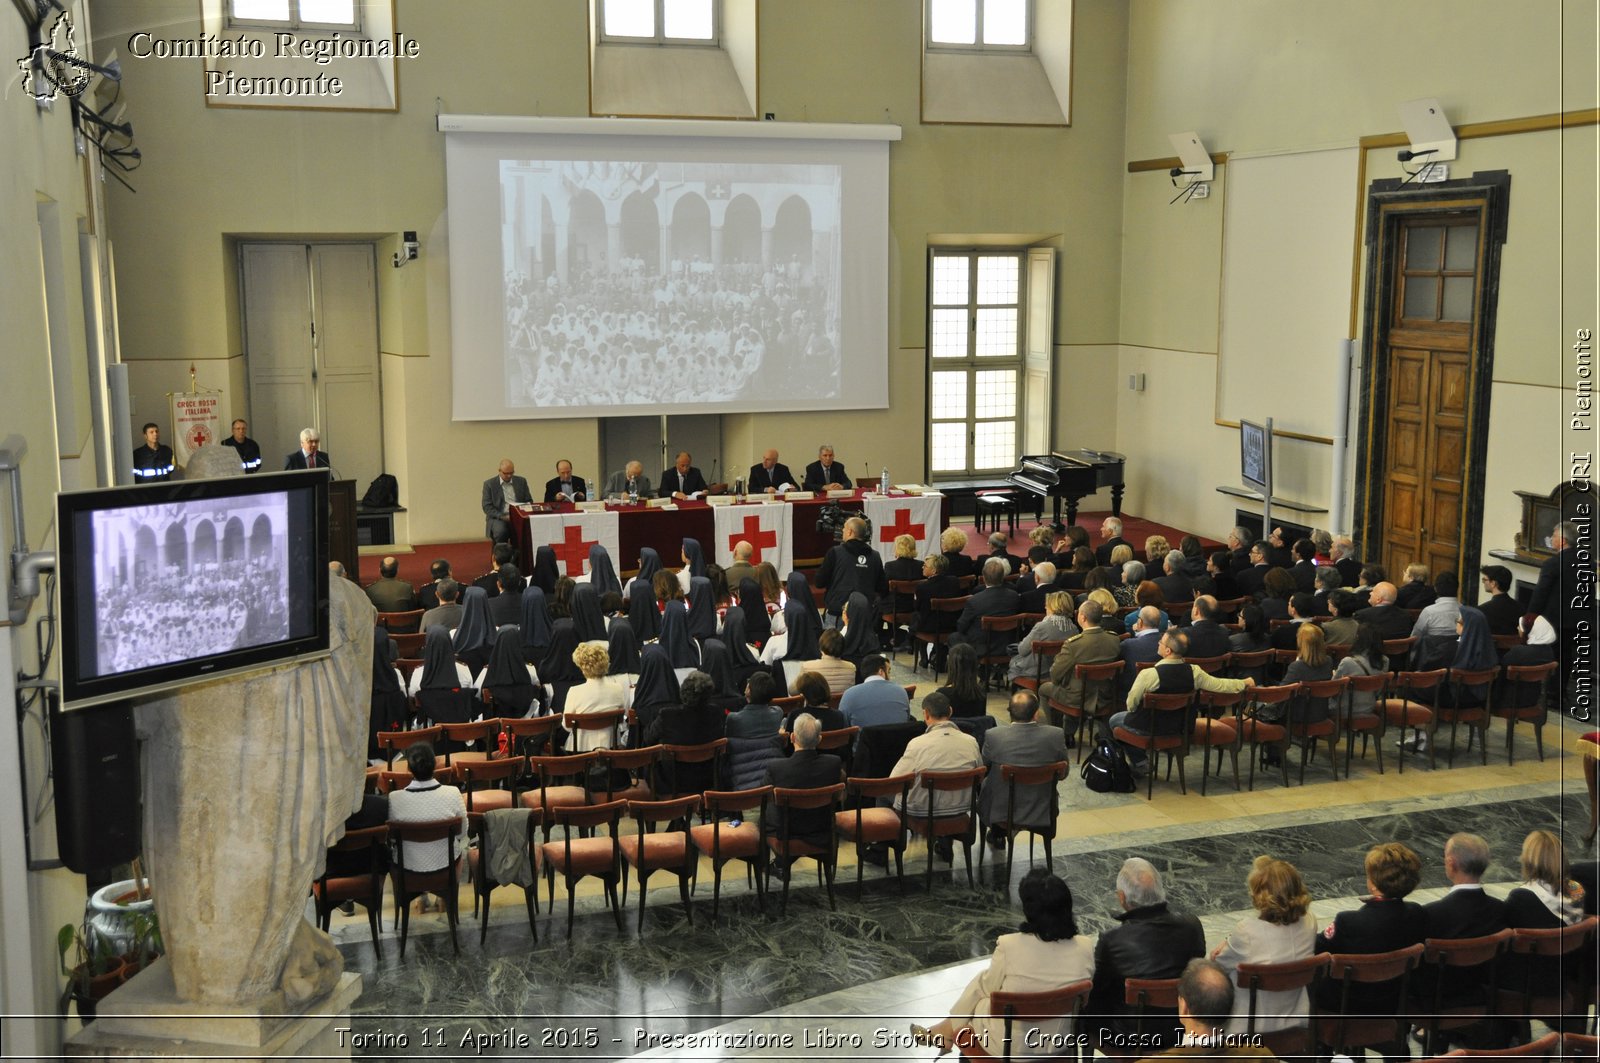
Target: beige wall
<point>209,173</point>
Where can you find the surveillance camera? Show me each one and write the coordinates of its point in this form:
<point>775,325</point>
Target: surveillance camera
<point>1175,171</point>
<point>409,248</point>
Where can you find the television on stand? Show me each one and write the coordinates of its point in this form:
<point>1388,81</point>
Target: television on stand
<point>163,585</point>
<point>1255,455</point>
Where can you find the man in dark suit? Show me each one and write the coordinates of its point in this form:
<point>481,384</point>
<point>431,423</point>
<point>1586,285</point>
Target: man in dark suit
<point>1304,569</point>
<point>683,479</point>
<point>1111,536</point>
<point>428,593</point>
<point>388,592</point>
<point>1278,553</point>
<point>1499,609</point>
<point>806,769</point>
<point>1207,638</point>
<point>1562,580</point>
<point>489,582</point>
<point>500,493</point>
<point>1143,646</point>
<point>1251,580</point>
<point>1345,560</point>
<point>997,548</point>
<point>769,475</point>
<point>1391,622</point>
<point>825,474</point>
<point>1285,636</point>
<point>1219,566</point>
<point>936,583</point>
<point>1175,585</point>
<point>310,454</point>
<point>996,599</point>
<point>1327,581</point>
<point>1150,942</point>
<point>565,487</point>
<point>1465,912</point>
<point>1239,543</point>
<point>506,607</point>
<point>1025,743</point>
<point>1044,584</point>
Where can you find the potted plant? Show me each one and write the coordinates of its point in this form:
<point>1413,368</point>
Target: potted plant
<point>146,944</point>
<point>96,971</point>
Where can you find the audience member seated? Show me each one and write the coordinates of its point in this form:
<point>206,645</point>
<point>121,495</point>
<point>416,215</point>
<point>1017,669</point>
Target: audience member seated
<point>796,630</point>
<point>741,569</point>
<point>1206,1000</point>
<point>995,599</point>
<point>557,668</point>
<point>1046,953</point>
<point>1282,930</point>
<point>426,800</point>
<point>1151,942</point>
<point>813,687</point>
<point>598,692</point>
<point>1326,581</point>
<point>1385,921</point>
<point>1239,546</point>
<point>1365,658</point>
<point>942,747</point>
<point>861,629</point>
<point>1194,556</point>
<point>1467,911</point>
<point>1251,580</point>
<point>1146,595</point>
<point>1175,584</point>
<point>440,670</point>
<point>1207,638</point>
<point>388,592</point>
<point>964,685</point>
<point>875,700</point>
<point>428,593</point>
<point>1415,592</point>
<point>742,659</point>
<point>1277,586</point>
<point>501,554</point>
<point>852,567</point>
<point>447,613</point>
<point>1547,899</point>
<point>837,672</point>
<point>1439,616</point>
<point>1390,620</point>
<point>682,649</point>
<point>804,769</point>
<point>1304,569</point>
<point>506,607</point>
<point>1032,589</point>
<point>1279,554</point>
<point>952,541</point>
<point>655,690</point>
<point>1500,609</point>
<point>692,560</point>
<point>1252,635</point>
<point>1022,743</point>
<point>725,696</point>
<point>1110,539</point>
<point>1218,567</point>
<point>1130,574</point>
<point>904,566</point>
<point>1156,549</point>
<point>998,547</point>
<point>1341,630</point>
<point>1082,563</point>
<point>1057,626</point>
<point>1109,620</point>
<point>509,679</point>
<point>1370,577</point>
<point>1171,674</point>
<point>1092,645</point>
<point>937,583</point>
<point>693,721</point>
<point>1141,647</point>
<point>1284,636</point>
<point>1345,560</point>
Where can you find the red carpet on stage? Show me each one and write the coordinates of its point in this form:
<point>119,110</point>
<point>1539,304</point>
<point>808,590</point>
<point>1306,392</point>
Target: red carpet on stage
<point>469,560</point>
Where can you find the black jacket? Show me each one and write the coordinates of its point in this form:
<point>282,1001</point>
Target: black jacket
<point>851,566</point>
<point>1152,942</point>
<point>1207,638</point>
<point>806,769</point>
<point>1376,926</point>
<point>1461,913</point>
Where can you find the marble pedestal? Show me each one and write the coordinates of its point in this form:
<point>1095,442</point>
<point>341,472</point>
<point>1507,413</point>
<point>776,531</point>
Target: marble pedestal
<point>145,1019</point>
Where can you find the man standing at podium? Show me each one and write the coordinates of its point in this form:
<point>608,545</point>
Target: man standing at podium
<point>310,455</point>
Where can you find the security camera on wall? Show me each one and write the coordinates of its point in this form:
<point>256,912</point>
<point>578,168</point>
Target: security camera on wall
<point>408,248</point>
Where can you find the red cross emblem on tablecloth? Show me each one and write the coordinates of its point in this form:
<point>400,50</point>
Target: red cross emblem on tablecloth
<point>573,549</point>
<point>901,525</point>
<point>753,535</point>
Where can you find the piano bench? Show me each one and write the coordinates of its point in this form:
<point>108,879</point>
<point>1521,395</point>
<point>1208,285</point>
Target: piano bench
<point>989,507</point>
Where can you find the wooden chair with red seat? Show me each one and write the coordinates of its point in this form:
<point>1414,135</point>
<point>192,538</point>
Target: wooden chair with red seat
<point>482,858</point>
<point>651,850</point>
<point>1402,709</point>
<point>1257,978</point>
<point>900,590</point>
<point>1281,660</point>
<point>1251,664</point>
<point>442,883</point>
<point>1398,651</point>
<point>1444,1011</point>
<point>1044,654</point>
<point>1337,651</point>
<point>1475,716</point>
<point>674,756</point>
<point>481,735</point>
<point>409,644</point>
<point>393,743</point>
<point>1567,950</point>
<point>578,857</point>
<point>550,794</point>
<point>1095,681</point>
<point>608,721</point>
<point>637,766</point>
<point>868,823</point>
<point>403,622</point>
<point>934,639</point>
<point>789,848</point>
<point>1373,726</point>
<point>1216,666</point>
<point>1579,1046</point>
<point>1215,727</point>
<point>1228,608</point>
<point>1522,699</point>
<point>732,834</point>
<point>835,697</point>
<point>1178,612</point>
<point>1334,692</point>
<point>1550,1046</point>
<point>1261,732</point>
<point>390,781</point>
<point>490,784</point>
<point>993,626</point>
<point>1353,1032</point>
<point>1143,994</point>
<point>1169,734</point>
<point>1033,1008</point>
<point>961,828</point>
<point>330,891</point>
<point>789,703</point>
<point>530,736</point>
<point>1014,776</point>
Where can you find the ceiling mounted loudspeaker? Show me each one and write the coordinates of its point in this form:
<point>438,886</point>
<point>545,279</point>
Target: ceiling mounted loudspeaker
<point>1194,159</point>
<point>1432,139</point>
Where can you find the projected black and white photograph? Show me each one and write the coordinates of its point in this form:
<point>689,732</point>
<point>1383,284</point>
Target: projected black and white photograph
<point>187,580</point>
<point>645,283</point>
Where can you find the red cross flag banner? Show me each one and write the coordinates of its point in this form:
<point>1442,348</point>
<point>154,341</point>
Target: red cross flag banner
<point>196,422</point>
<point>766,527</point>
<point>914,515</point>
<point>571,535</point>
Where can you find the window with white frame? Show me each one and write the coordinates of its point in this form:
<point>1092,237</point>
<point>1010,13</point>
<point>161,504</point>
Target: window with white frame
<point>659,21</point>
<point>974,361</point>
<point>979,24</point>
<point>294,14</point>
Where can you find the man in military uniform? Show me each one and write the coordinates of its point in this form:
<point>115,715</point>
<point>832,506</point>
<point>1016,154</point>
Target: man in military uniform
<point>249,452</point>
<point>152,463</point>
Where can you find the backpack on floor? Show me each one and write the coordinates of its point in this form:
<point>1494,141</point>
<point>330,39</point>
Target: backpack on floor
<point>1107,771</point>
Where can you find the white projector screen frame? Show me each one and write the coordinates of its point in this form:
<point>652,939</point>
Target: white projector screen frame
<point>567,299</point>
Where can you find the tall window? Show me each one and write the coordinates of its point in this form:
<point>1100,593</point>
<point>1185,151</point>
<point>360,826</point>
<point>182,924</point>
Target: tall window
<point>294,13</point>
<point>975,361</point>
<point>659,21</point>
<point>985,24</point>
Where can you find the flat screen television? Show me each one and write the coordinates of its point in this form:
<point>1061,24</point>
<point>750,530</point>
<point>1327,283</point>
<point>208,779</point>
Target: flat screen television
<point>1255,456</point>
<point>168,584</point>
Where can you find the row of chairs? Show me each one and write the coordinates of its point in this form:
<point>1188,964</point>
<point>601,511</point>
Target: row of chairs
<point>1344,1030</point>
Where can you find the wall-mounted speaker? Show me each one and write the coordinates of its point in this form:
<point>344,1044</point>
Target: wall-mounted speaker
<point>94,755</point>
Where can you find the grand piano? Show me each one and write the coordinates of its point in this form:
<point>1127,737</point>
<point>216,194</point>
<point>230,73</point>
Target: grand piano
<point>1071,475</point>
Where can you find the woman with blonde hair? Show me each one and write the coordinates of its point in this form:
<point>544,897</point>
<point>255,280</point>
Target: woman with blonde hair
<point>1548,897</point>
<point>1057,626</point>
<point>1108,609</point>
<point>1281,930</point>
<point>1156,549</point>
<point>952,541</point>
<point>598,692</point>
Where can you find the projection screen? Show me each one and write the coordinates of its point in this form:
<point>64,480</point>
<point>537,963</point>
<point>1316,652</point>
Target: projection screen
<point>619,267</point>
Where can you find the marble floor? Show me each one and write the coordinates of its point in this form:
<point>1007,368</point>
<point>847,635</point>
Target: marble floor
<point>876,961</point>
